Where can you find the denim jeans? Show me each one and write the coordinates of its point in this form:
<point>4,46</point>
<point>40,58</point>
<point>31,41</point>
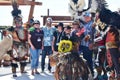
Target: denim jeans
<point>35,58</point>
<point>46,51</point>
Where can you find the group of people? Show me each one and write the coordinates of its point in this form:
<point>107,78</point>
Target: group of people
<point>40,40</point>
<point>46,40</point>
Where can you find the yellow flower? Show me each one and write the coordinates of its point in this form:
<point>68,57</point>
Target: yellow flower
<point>65,46</point>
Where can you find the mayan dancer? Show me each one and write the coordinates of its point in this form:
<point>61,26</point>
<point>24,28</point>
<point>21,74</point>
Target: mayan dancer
<point>19,34</point>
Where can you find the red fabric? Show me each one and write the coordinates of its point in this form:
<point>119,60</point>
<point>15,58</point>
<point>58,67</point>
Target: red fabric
<point>109,59</point>
<point>110,37</point>
<point>101,43</point>
<point>80,32</point>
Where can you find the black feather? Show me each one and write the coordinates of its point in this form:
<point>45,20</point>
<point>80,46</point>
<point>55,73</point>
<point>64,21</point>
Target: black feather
<point>75,1</point>
<point>101,4</point>
<point>16,12</point>
<point>109,17</point>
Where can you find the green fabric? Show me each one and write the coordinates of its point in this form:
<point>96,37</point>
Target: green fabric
<point>31,29</point>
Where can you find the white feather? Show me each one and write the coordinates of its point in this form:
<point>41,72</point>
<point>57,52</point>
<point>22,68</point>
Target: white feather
<point>79,6</point>
<point>94,6</point>
<point>76,7</point>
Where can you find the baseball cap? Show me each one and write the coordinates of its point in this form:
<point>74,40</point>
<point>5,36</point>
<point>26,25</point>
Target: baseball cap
<point>36,22</point>
<point>87,14</point>
<point>49,19</point>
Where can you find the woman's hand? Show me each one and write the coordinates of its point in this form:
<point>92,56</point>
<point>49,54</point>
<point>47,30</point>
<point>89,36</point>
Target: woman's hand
<point>33,48</point>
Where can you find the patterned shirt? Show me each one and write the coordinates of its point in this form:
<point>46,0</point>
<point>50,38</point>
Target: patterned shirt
<point>48,35</point>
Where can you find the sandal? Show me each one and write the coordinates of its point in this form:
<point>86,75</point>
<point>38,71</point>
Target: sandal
<point>24,72</point>
<point>37,72</point>
<point>32,73</point>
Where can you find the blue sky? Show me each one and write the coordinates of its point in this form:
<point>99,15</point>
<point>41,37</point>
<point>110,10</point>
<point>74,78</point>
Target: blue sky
<point>56,7</point>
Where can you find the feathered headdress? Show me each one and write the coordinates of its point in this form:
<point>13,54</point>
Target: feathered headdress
<point>105,15</point>
<point>76,6</point>
<point>109,17</point>
<point>15,12</point>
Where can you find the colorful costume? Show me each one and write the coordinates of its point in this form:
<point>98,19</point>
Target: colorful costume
<point>20,46</point>
<point>69,65</point>
<point>112,45</point>
<point>100,50</point>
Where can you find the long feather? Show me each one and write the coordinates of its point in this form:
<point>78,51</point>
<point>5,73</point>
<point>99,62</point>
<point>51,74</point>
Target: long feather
<point>106,15</point>
<point>101,4</point>
<point>109,17</point>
